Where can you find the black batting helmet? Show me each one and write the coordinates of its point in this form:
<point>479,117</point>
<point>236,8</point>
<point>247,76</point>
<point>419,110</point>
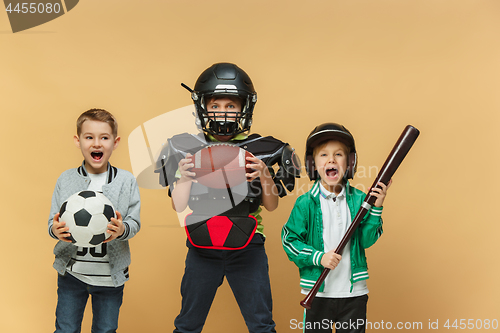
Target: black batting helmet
<point>325,132</point>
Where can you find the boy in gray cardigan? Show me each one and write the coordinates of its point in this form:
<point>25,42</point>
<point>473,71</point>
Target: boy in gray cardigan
<point>103,270</point>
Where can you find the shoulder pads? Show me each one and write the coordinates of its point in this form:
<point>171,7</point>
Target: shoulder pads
<point>290,161</point>
<point>173,151</point>
<point>272,151</point>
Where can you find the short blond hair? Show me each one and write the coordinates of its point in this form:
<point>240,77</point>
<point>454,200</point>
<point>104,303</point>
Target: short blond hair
<point>97,115</point>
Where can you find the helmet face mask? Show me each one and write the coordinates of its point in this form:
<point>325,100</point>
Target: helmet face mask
<point>224,80</point>
<point>226,124</point>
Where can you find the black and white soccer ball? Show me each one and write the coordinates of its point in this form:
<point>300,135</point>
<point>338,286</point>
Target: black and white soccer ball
<point>87,215</point>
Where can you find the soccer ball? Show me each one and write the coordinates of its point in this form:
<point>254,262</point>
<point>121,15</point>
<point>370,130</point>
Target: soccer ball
<point>87,215</point>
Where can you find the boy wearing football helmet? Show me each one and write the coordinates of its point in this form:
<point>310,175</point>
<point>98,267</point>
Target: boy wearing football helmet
<point>224,99</point>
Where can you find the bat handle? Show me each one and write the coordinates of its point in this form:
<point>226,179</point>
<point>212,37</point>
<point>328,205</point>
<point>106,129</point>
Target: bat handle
<point>307,301</point>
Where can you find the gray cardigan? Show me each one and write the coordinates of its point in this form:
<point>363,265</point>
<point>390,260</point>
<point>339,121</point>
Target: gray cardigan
<point>122,190</point>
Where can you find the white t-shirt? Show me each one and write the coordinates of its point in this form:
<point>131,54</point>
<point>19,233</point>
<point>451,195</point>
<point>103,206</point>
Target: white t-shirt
<point>91,264</point>
<point>336,221</point>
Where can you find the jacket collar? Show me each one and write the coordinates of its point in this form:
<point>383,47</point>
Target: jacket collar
<point>328,195</point>
<point>315,191</point>
<point>111,172</point>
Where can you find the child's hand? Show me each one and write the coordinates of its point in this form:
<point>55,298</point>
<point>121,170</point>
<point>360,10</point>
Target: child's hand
<point>184,166</point>
<point>260,168</point>
<point>330,259</point>
<point>380,193</point>
<point>115,228</point>
<point>269,191</point>
<point>60,230</point>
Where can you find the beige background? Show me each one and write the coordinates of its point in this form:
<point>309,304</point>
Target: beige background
<point>374,66</point>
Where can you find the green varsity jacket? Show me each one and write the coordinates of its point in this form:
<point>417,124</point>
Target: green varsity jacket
<point>302,235</point>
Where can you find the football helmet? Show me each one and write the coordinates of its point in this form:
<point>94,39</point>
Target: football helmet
<point>325,132</point>
<point>224,79</point>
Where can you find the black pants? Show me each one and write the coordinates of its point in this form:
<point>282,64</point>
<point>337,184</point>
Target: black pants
<point>246,270</point>
<point>346,315</point>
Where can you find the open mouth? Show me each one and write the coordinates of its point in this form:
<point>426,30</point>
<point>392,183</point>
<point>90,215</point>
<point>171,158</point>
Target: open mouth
<point>331,172</point>
<point>96,155</point>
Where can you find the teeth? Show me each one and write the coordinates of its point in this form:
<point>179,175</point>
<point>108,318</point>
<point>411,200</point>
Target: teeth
<point>331,172</point>
<point>97,155</point>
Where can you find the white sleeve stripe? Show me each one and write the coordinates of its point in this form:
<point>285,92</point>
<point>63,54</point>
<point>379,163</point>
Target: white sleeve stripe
<point>361,277</point>
<point>291,249</point>
<point>316,258</point>
<point>288,245</point>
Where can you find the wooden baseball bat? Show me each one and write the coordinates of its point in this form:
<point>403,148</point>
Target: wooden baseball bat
<point>398,153</point>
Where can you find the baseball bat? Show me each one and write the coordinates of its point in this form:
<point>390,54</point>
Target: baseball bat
<point>398,153</point>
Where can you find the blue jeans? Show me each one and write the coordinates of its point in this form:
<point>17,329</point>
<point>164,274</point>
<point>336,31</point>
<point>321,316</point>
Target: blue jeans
<point>247,273</point>
<point>72,298</point>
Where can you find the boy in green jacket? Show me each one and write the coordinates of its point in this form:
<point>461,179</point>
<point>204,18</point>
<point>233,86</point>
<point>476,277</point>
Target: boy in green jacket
<point>317,224</point>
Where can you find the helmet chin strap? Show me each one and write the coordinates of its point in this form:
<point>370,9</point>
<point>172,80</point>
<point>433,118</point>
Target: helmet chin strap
<point>349,172</point>
<point>224,127</point>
